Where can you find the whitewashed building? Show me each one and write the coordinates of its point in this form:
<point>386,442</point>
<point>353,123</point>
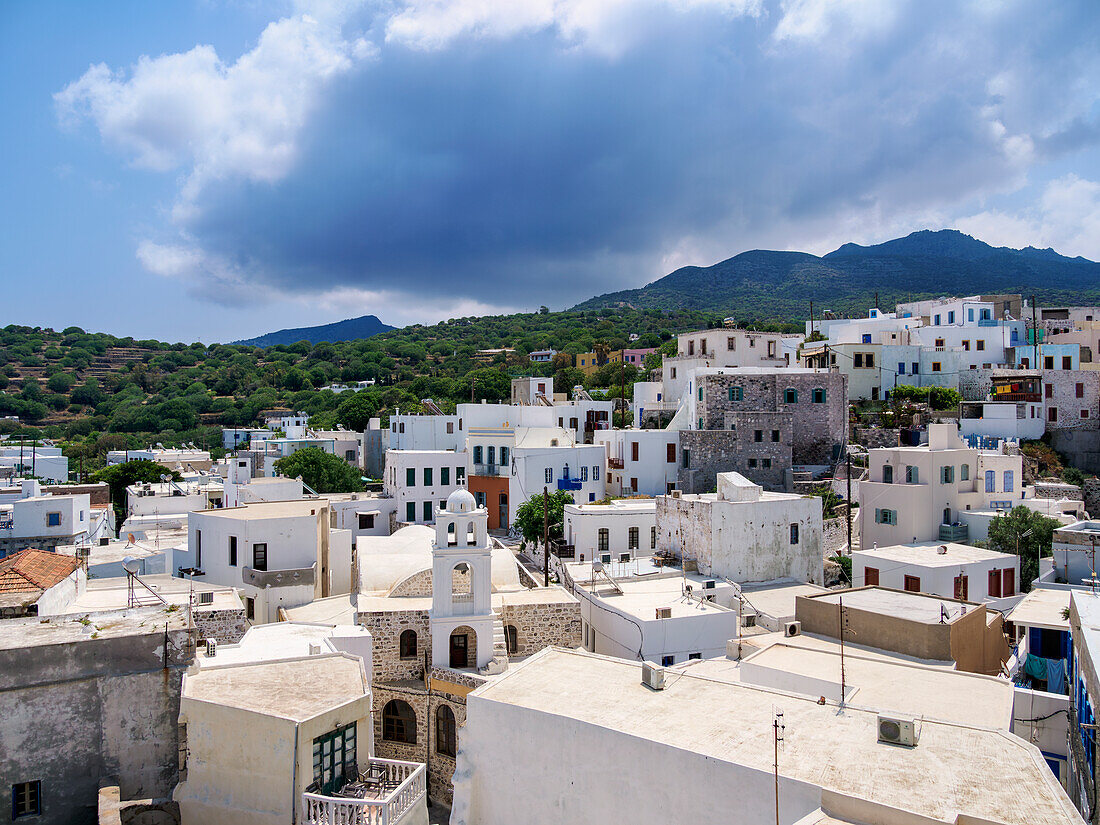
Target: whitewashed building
<point>419,482</point>
<point>624,528</point>
<point>641,462</point>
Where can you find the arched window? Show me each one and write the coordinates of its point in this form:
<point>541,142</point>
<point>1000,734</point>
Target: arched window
<point>399,722</point>
<point>452,535</point>
<point>408,644</point>
<point>445,731</point>
<point>512,637</point>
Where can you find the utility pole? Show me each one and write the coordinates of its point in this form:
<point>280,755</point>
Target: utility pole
<point>811,318</point>
<point>842,682</point>
<point>472,382</point>
<point>1034,335</point>
<point>876,300</point>
<point>849,461</point>
<point>545,536</point>
<point>777,728</point>
<point>622,390</point>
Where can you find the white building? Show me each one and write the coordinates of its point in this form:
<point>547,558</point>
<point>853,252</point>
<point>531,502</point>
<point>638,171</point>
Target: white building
<point>1002,421</point>
<point>637,609</point>
<point>181,459</point>
<point>624,528</point>
<point>278,554</point>
<point>234,437</point>
<point>954,571</point>
<point>920,494</point>
<point>44,462</point>
<point>419,481</point>
<point>46,521</point>
<point>714,725</point>
<point>744,533</point>
<point>292,424</point>
<point>641,462</point>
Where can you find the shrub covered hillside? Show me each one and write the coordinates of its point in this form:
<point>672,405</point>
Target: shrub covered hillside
<point>99,392</point>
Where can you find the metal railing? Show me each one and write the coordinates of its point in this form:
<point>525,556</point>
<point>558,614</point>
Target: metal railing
<point>409,783</point>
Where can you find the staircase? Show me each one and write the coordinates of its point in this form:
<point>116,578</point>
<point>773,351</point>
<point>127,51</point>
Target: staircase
<point>499,662</point>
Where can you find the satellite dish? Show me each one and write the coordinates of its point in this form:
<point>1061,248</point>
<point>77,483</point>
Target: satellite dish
<point>129,538</point>
<point>131,565</point>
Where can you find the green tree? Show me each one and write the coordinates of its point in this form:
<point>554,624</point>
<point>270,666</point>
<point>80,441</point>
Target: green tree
<point>121,476</point>
<point>1024,532</point>
<point>529,515</point>
<point>323,472</point>
<point>944,398</point>
<point>356,410</point>
<point>60,382</point>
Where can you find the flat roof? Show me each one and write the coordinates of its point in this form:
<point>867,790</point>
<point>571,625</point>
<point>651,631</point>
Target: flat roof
<point>137,621</point>
<point>968,769</point>
<point>915,607</point>
<point>279,640</point>
<point>881,684</point>
<point>1042,608</point>
<point>266,509</point>
<point>925,554</point>
<point>642,597</point>
<point>621,506</point>
<point>778,598</point>
<point>113,594</point>
<point>276,688</point>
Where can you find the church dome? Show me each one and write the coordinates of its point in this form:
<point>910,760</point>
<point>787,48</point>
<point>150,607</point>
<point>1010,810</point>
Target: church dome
<point>461,501</point>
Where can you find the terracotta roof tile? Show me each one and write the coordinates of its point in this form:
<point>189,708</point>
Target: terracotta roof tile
<point>32,569</point>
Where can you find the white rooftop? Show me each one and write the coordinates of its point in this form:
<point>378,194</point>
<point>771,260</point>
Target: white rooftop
<point>113,594</point>
<point>1042,608</point>
<point>955,769</point>
<point>285,640</point>
<point>926,554</point>
<point>914,607</point>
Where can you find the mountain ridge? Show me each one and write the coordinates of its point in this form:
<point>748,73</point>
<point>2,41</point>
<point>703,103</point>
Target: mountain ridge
<point>758,284</point>
<point>350,329</point>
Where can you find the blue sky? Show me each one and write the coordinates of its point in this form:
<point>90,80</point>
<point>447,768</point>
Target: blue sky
<point>204,170</point>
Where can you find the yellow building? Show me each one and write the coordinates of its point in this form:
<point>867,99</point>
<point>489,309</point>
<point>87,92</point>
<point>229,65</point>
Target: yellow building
<point>587,362</point>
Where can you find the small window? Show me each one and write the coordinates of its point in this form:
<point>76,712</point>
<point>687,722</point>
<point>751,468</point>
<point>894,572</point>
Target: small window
<point>450,427</point>
<point>410,477</point>
<point>1080,390</point>
<point>26,799</point>
<point>964,472</point>
<point>511,636</point>
<point>794,534</point>
<point>584,473</point>
<point>1009,481</point>
<point>767,463</point>
<point>790,396</point>
<point>53,519</point>
<point>410,511</point>
<point>259,556</point>
<point>427,476</point>
<point>995,584</point>
<point>427,510</point>
<point>1048,362</point>
<point>990,481</point>
<point>912,584</point>
<point>668,661</point>
<point>408,644</point>
<point>445,476</point>
<point>870,576</point>
<point>752,463</point>
<point>819,396</point>
<point>912,475</point>
<point>249,608</point>
<point>602,540</point>
<point>504,455</point>
<point>232,551</point>
<point>700,393</point>
<point>652,538</point>
<point>981,345</point>
<point>477,454</point>
<point>758,436</point>
<point>632,541</point>
<point>694,656</point>
<point>937,366</point>
<point>460,475</point>
<point>548,475</point>
<point>731,344</point>
<point>736,394</point>
<point>1067,362</point>
<point>1048,391</point>
<point>366,521</point>
<point>1052,414</point>
<point>670,453</point>
<point>595,472</point>
<point>775,436</point>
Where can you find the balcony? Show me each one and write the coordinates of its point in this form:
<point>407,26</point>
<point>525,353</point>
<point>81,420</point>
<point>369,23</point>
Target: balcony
<point>490,470</point>
<point>566,482</point>
<point>382,795</point>
<point>615,463</point>
<point>988,322</point>
<point>954,532</point>
<point>278,578</point>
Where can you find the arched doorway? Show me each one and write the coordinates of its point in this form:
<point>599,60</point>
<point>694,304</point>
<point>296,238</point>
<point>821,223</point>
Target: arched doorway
<point>463,648</point>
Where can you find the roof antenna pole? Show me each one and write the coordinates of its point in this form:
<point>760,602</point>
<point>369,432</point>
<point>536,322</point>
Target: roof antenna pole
<point>777,732</point>
<point>842,679</point>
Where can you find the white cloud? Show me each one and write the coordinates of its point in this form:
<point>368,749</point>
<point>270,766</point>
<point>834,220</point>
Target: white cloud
<point>196,112</point>
<point>604,25</point>
<point>1066,218</point>
<point>814,20</point>
<point>395,308</point>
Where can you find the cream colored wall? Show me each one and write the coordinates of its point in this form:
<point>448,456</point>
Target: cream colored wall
<point>358,711</point>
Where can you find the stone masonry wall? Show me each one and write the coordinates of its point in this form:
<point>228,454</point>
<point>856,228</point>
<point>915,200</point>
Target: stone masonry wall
<point>874,438</point>
<point>1062,388</point>
<point>386,628</point>
<point>225,626</point>
<point>1051,490</point>
<point>417,699</point>
<point>1091,493</point>
<point>710,452</point>
<point>541,625</point>
<point>834,534</point>
<point>818,430</point>
<point>420,584</point>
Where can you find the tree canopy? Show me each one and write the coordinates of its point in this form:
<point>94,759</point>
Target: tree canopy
<point>321,471</point>
<point>1011,531</point>
<point>121,476</point>
<point>530,516</point>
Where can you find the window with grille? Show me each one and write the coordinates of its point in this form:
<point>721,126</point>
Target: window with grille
<point>26,799</point>
<point>259,556</point>
<point>602,539</point>
<point>408,644</point>
<point>633,538</point>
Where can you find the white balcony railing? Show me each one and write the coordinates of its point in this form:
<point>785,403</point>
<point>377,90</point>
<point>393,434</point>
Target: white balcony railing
<point>408,781</point>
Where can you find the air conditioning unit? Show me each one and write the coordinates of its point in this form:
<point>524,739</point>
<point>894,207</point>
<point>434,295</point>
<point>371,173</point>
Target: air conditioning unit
<point>792,629</point>
<point>211,648</point>
<point>708,584</point>
<point>676,493</point>
<point>664,612</point>
<point>605,558</point>
<point>653,676</point>
<point>894,731</point>
<point>206,598</point>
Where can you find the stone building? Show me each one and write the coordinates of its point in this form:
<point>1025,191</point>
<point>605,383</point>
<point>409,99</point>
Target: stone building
<point>761,422</point>
<point>447,610</point>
